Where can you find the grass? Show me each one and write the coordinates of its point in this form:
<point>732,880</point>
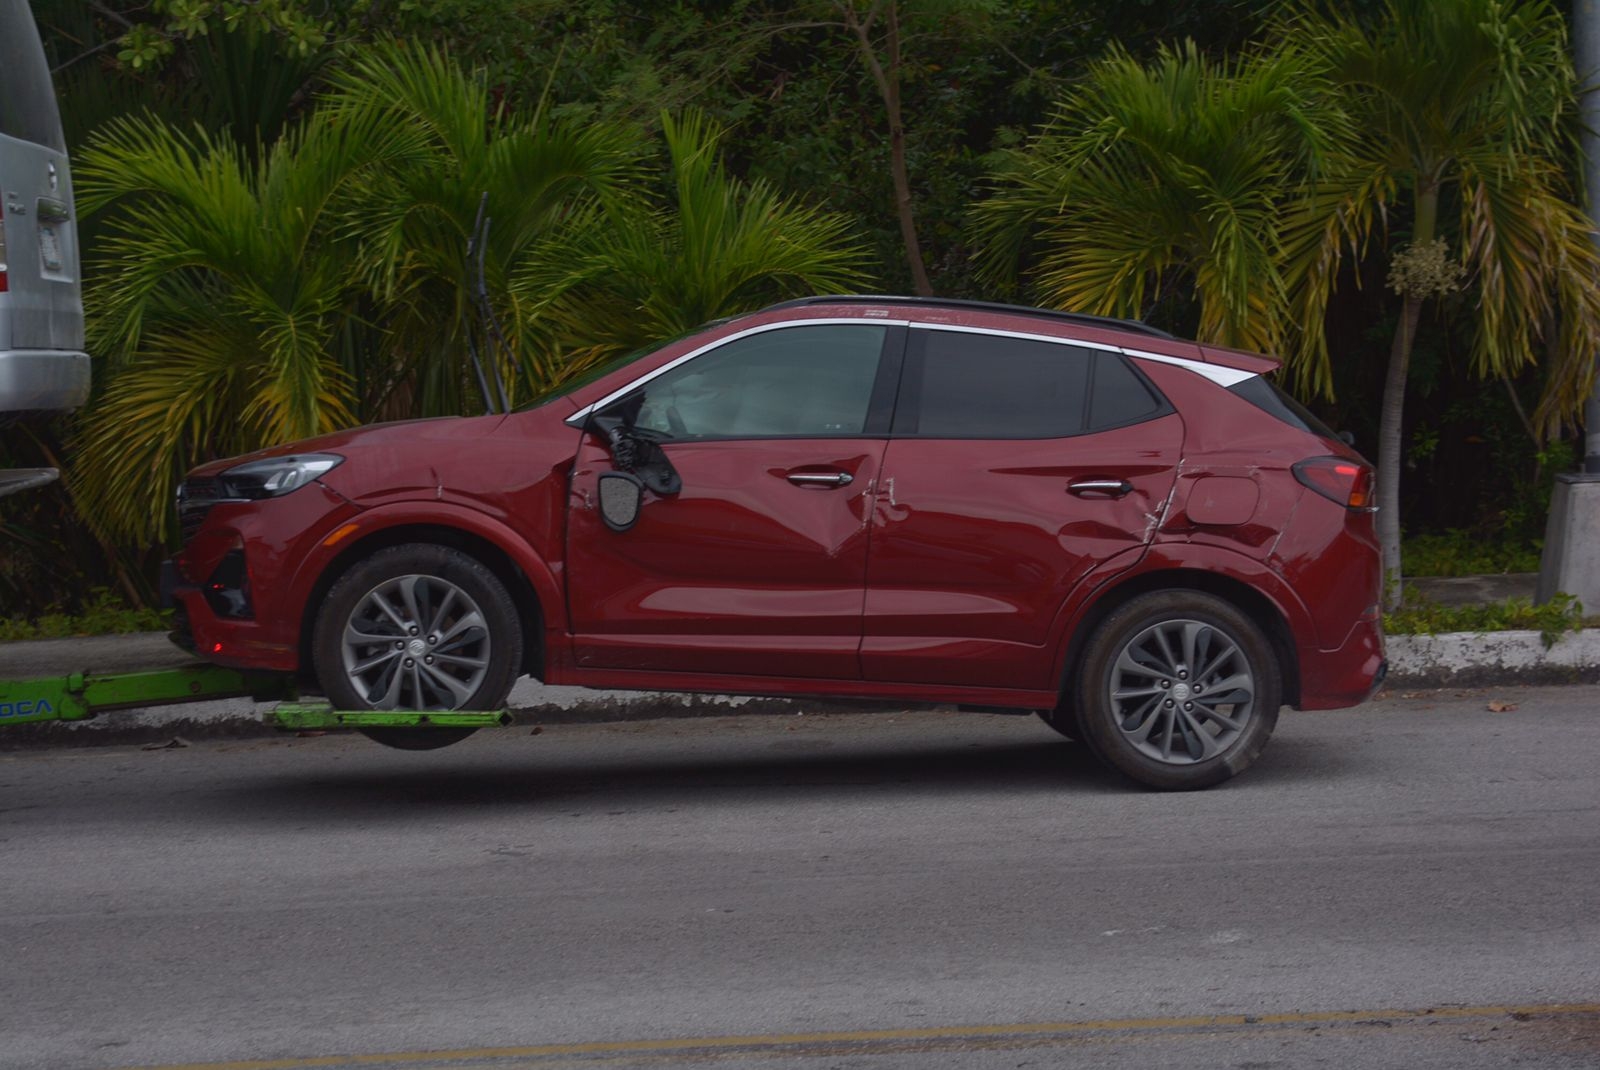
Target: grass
<point>105,614</point>
<point>1459,552</point>
<point>1417,616</point>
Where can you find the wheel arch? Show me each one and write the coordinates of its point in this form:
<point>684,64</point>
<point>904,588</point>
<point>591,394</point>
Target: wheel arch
<point>1258,606</point>
<point>492,556</point>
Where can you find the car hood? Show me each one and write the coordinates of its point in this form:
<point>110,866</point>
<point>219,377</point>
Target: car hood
<point>406,436</point>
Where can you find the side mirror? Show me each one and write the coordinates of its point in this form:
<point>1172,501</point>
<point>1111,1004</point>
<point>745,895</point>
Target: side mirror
<point>1348,438</point>
<point>621,495</point>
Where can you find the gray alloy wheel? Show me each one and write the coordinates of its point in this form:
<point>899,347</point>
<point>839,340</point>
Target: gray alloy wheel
<point>1182,691</point>
<point>1178,690</point>
<point>418,627</point>
<point>416,642</point>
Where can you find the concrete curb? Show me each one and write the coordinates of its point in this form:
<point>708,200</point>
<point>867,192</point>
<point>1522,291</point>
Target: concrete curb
<point>1482,659</point>
<point>1463,659</point>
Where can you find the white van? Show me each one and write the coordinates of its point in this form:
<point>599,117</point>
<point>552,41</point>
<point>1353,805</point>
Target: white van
<point>43,367</point>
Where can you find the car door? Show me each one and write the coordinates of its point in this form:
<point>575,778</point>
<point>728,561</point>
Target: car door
<point>1017,466</point>
<point>757,565</point>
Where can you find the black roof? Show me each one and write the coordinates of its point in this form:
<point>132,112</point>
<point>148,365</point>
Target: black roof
<point>1081,318</point>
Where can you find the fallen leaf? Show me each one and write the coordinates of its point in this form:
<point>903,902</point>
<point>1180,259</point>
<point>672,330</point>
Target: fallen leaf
<point>1497,706</point>
<point>174,743</point>
<point>537,729</point>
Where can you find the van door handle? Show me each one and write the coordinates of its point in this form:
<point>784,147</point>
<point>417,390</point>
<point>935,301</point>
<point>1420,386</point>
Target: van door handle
<point>1100,488</point>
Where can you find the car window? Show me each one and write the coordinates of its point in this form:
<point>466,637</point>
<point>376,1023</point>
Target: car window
<point>962,385</point>
<point>27,97</point>
<point>807,381</point>
<point>1119,396</point>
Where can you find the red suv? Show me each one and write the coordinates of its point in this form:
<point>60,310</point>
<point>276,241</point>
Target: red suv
<point>1138,537</point>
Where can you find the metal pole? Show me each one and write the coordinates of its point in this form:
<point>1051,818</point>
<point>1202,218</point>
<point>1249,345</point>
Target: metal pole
<point>1586,59</point>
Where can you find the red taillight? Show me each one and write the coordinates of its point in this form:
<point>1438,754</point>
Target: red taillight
<point>1349,483</point>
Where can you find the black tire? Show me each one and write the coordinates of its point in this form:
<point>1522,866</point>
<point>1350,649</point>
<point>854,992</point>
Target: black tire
<point>1171,724</point>
<point>1064,719</point>
<point>392,596</point>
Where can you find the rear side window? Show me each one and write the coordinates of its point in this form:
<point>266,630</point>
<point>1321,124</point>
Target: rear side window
<point>1120,396</point>
<point>27,97</point>
<point>961,385</point>
<point>1266,396</point>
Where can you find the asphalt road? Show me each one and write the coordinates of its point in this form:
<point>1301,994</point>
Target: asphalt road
<point>1412,884</point>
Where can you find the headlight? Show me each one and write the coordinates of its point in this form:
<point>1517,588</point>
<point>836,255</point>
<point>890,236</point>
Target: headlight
<point>275,476</point>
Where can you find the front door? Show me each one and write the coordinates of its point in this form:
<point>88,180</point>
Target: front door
<point>757,566</point>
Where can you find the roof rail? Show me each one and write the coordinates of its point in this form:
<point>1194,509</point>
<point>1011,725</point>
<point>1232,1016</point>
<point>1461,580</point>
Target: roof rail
<point>1082,318</point>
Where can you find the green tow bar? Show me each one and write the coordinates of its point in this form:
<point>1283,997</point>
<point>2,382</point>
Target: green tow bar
<point>79,696</point>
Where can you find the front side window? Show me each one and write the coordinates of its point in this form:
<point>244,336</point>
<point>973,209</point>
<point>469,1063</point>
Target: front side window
<point>805,381</point>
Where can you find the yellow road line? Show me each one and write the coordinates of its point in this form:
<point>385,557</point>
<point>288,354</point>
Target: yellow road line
<point>868,1036</point>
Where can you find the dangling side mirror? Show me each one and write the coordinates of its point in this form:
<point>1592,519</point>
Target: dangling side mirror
<point>621,495</point>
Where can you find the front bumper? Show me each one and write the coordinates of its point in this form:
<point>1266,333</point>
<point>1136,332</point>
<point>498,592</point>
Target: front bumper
<point>270,552</point>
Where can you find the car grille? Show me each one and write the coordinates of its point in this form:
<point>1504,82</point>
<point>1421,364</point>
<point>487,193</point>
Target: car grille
<point>195,498</point>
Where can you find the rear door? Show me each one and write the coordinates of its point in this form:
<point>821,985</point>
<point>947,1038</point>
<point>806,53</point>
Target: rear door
<point>40,304</point>
<point>1016,466</point>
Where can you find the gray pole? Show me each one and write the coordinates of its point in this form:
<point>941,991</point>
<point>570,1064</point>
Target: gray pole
<point>1586,58</point>
<point>1570,563</point>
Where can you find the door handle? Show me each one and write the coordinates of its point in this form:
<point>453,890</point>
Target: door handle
<point>821,479</point>
<point>1108,488</point>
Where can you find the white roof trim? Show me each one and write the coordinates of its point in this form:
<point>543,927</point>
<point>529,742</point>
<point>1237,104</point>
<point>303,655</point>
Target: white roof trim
<point>1217,373</point>
<point>577,418</point>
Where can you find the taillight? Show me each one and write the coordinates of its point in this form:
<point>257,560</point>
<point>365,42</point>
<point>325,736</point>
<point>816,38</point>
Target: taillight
<point>1349,483</point>
<point>3,284</point>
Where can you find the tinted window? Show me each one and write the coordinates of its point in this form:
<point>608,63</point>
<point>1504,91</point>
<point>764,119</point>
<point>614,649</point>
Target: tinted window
<point>27,99</point>
<point>1119,395</point>
<point>963,385</point>
<point>1266,396</point>
<point>805,381</point>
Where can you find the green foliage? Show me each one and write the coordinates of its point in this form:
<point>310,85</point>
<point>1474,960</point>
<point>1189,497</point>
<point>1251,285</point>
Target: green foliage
<point>718,247</point>
<point>104,614</point>
<point>1560,615</point>
<point>1151,175</point>
<point>1457,552</point>
<point>1470,102</point>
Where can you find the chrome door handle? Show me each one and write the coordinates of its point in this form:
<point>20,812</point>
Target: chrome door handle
<point>1110,488</point>
<point>821,479</point>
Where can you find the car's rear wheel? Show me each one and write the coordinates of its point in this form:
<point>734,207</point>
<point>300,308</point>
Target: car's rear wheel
<point>417,627</point>
<point>1178,690</point>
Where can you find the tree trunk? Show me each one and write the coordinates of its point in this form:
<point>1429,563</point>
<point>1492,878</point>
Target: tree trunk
<point>1390,459</point>
<point>1390,425</point>
<point>888,82</point>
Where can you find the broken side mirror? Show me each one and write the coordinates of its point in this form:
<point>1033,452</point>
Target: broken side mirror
<point>621,494</point>
<point>636,452</point>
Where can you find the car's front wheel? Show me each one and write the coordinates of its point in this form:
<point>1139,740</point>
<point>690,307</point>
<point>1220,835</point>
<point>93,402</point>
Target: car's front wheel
<point>1178,689</point>
<point>417,627</point>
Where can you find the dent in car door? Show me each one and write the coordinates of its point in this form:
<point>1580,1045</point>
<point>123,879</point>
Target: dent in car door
<point>978,539</point>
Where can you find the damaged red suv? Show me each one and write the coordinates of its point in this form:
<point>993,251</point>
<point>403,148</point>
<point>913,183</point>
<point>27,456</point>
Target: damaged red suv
<point>926,501</point>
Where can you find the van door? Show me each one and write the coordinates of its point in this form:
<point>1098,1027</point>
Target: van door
<point>41,306</point>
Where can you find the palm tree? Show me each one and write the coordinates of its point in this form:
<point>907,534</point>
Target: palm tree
<point>534,177</point>
<point>1456,109</point>
<point>217,291</point>
<point>721,246</point>
<point>1154,177</point>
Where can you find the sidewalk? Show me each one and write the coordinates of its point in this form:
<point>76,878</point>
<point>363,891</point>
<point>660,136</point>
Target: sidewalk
<point>1488,659</point>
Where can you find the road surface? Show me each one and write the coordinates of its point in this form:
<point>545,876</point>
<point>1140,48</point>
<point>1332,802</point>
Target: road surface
<point>1414,883</point>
